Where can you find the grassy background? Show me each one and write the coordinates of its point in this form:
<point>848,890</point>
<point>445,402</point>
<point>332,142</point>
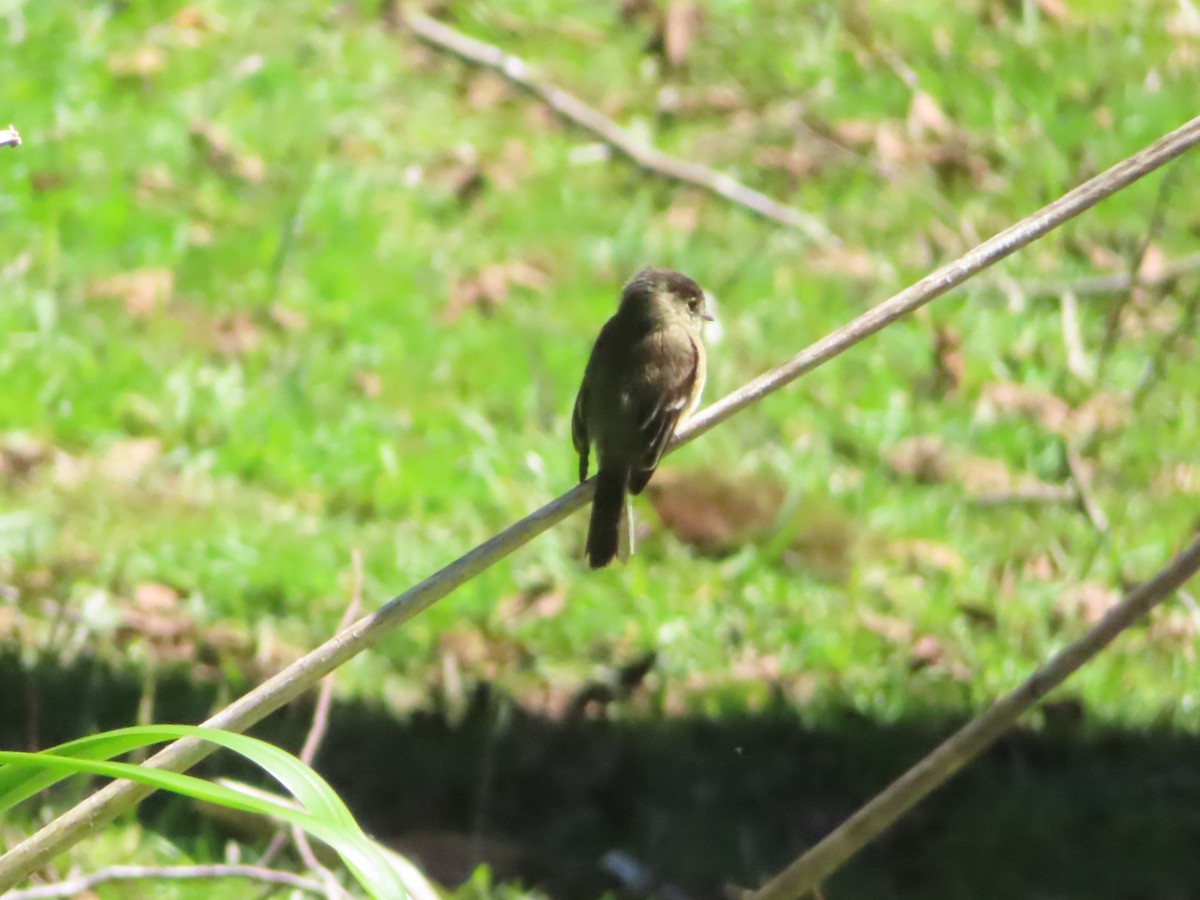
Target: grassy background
<point>229,361</point>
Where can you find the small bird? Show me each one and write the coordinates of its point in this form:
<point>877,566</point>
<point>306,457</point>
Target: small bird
<point>643,379</point>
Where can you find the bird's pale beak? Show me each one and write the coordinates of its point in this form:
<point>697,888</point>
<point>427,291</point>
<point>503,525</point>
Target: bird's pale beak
<point>707,317</point>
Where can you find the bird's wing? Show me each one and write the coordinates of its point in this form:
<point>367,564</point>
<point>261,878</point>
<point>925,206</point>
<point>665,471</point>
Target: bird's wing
<point>660,418</point>
<point>579,432</point>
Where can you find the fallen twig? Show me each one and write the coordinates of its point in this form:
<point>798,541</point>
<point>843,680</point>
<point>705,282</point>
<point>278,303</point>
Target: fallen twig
<point>104,805</point>
<point>1112,324</point>
<point>312,742</point>
<point>578,113</point>
<point>1155,365</point>
<point>1047,493</point>
<point>1093,285</point>
<point>72,887</point>
<point>1077,359</point>
<point>416,884</point>
<point>1083,493</point>
<point>319,727</point>
<point>806,874</point>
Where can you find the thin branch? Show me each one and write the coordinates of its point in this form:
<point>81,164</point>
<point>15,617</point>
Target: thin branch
<point>416,884</point>
<point>1083,492</point>
<point>1042,493</point>
<point>806,874</point>
<point>312,742</point>
<point>9,137</point>
<point>319,727</point>
<point>1121,282</point>
<point>1077,358</point>
<point>320,720</point>
<point>590,119</point>
<point>1156,364</point>
<point>1112,324</point>
<point>84,883</point>
<point>102,807</point>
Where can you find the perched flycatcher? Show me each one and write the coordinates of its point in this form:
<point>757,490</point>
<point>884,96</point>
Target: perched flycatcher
<point>644,377</point>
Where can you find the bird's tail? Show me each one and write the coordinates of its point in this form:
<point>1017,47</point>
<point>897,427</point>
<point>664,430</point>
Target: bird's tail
<point>608,506</point>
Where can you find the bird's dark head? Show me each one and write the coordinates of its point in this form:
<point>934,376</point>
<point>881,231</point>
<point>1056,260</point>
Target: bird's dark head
<point>666,296</point>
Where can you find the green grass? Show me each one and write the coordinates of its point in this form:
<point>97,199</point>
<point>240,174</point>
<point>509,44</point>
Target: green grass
<point>275,464</point>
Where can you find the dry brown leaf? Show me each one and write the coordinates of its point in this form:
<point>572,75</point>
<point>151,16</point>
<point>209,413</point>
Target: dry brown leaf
<point>1056,10</point>
<point>152,596</point>
<point>154,181</point>
<point>923,458</point>
<point>926,117</point>
<point>918,553</point>
<point>525,274</point>
<point>979,616</point>
<point>21,454</point>
<point>926,652</point>
<point>1017,399</point>
<point>751,666</point>
<point>235,335</point>
<point>683,20</point>
<point>634,10</point>
<point>856,132</point>
<point>714,99</point>
<point>69,471</point>
<point>487,90</point>
<point>715,515</point>
<point>222,155</point>
<point>892,629</point>
<point>890,148</point>
<point>1174,629</point>
<point>1103,259</point>
<point>1088,601</point>
<point>487,289</point>
<point>369,384</point>
<point>539,602</point>
<point>511,167</point>
<point>684,214</point>
<point>10,623</point>
<point>469,649</point>
<point>927,460</point>
<point>953,156</point>
<point>472,292</point>
<point>156,616</point>
<point>854,262</point>
<point>127,460</point>
<point>192,26</point>
<point>984,477</point>
<point>1103,412</point>
<point>1181,477</point>
<point>460,173</point>
<point>949,361</point>
<point>140,62</point>
<point>288,319</point>
<point>824,544</point>
<point>1039,568</point>
<point>143,291</point>
<point>1153,261</point>
<point>200,234</point>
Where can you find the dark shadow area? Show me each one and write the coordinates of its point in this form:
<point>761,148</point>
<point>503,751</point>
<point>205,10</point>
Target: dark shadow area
<point>687,806</point>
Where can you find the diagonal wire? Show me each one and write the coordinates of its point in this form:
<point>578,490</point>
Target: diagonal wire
<point>804,876</point>
<point>103,806</point>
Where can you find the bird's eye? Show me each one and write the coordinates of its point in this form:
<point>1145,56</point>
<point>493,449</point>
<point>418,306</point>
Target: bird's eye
<point>693,303</point>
